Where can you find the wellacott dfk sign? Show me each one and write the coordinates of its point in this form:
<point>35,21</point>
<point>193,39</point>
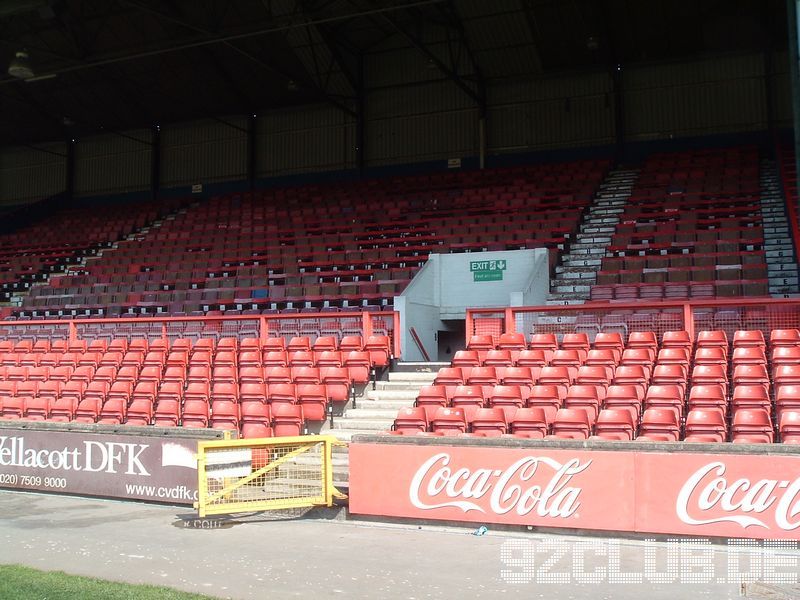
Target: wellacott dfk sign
<point>695,494</point>
<point>115,466</point>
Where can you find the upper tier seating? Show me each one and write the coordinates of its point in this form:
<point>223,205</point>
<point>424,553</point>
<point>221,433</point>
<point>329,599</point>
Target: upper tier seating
<point>691,229</point>
<point>32,252</point>
<point>344,245</point>
<point>742,389</point>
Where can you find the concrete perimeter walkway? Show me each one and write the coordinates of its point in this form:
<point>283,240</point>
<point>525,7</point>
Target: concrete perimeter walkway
<point>305,558</point>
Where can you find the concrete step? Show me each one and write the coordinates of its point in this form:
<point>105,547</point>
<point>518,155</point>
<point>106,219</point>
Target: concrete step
<point>362,425</point>
<point>421,377</point>
<point>577,276</point>
<point>359,414</point>
<point>393,394</point>
<point>571,288</point>
<point>570,261</point>
<point>396,385</point>
<point>394,404</point>
<point>557,302</point>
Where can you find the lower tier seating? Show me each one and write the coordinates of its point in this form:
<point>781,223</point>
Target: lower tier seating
<point>707,389</point>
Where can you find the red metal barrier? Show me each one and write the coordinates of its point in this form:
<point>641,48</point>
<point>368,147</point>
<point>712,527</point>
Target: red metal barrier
<point>263,326</point>
<point>591,318</point>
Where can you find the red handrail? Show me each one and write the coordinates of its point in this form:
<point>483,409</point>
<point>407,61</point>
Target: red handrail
<point>419,344</point>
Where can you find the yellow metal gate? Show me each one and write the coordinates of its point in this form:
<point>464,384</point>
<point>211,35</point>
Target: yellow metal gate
<point>237,476</point>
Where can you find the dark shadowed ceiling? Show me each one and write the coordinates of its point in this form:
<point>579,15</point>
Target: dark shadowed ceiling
<point>118,64</point>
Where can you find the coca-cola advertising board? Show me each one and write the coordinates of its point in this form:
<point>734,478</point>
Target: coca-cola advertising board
<point>156,469</point>
<point>556,488</point>
<point>725,495</point>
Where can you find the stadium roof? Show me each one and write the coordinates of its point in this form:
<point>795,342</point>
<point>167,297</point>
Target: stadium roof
<point>117,64</point>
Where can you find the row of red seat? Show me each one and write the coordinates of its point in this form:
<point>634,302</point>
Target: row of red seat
<point>749,426</point>
<point>252,419</point>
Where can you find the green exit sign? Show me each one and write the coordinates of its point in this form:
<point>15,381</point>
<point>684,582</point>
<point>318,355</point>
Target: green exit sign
<point>487,270</point>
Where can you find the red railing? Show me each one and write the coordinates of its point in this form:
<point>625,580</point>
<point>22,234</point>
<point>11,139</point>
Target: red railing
<point>729,315</point>
<point>263,326</point>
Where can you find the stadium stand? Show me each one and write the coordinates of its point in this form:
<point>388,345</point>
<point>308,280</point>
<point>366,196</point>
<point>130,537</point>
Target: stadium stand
<point>691,229</point>
<point>30,254</point>
<point>224,383</point>
<point>707,389</point>
<point>324,247</point>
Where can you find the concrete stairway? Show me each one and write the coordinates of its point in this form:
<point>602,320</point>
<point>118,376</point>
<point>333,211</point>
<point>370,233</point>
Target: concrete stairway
<point>579,265</point>
<point>376,409</point>
<point>781,261</point>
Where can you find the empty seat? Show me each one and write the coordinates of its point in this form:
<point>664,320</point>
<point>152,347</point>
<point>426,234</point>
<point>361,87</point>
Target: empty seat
<point>664,396</point>
<point>517,376</point>
<point>704,425</point>
<point>571,423</point>
<point>784,337</point>
<point>710,375</point>
<point>449,376</point>
<point>195,414</point>
<point>755,374</point>
<point>256,421</point>
<point>167,413</point>
<point>449,421</point>
<point>380,350</point>
<point>529,422</point>
<point>627,397</point>
<point>287,420</point>
<point>411,420</point>
<point>708,397</point>
<point>676,339</point>
<point>790,427</point>
<point>614,424</point>
<point>751,426</point>
<point>659,425</point>
<point>533,357</point>
<point>489,422</point>
<point>314,400</point>
<point>748,355</point>
<point>586,397</point>
<point>480,344</point>
<point>748,339</point>
<point>140,412</point>
<point>546,342</point>
<point>576,341</point>
<point>224,415</point>
<point>497,358</point>
<point>430,398</point>
<point>465,358</point>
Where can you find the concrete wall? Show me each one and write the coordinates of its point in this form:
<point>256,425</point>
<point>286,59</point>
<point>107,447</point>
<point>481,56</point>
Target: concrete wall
<point>445,287</point>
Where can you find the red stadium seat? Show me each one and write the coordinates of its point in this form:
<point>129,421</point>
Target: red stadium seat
<point>140,412</point>
<point>751,426</point>
<point>256,421</point>
<point>790,427</point>
<point>489,422</point>
<point>195,414</point>
<point>224,415</point>
<point>314,400</point>
<point>784,338</point>
<point>546,342</point>
<point>571,423</point>
<point>659,425</point>
<point>614,424</point>
<point>167,413</point>
<point>411,420</point>
<point>707,426</point>
<point>287,420</point>
<point>530,422</point>
<point>449,421</point>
